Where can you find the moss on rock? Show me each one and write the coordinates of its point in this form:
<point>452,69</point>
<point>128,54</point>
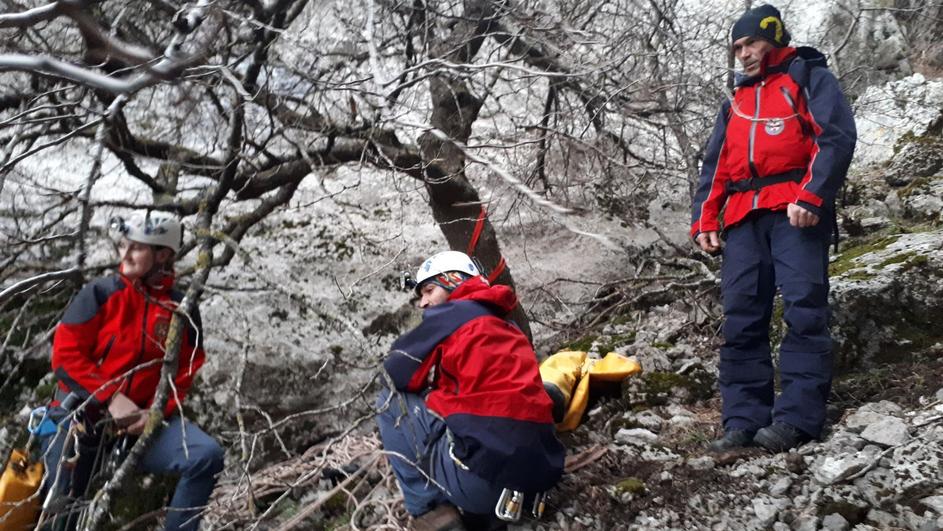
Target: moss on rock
<point>633,485</point>
<point>659,388</point>
<point>846,261</point>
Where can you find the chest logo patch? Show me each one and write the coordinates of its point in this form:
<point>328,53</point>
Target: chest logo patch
<point>774,127</point>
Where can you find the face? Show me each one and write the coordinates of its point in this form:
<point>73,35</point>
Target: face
<point>750,51</point>
<point>139,259</point>
<point>431,294</point>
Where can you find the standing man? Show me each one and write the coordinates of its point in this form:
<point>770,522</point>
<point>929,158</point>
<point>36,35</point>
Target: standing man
<point>773,165</point>
<point>468,414</point>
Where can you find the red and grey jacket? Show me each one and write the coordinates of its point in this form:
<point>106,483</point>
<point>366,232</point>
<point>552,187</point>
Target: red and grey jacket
<point>790,125</point>
<point>484,381</point>
<point>112,327</point>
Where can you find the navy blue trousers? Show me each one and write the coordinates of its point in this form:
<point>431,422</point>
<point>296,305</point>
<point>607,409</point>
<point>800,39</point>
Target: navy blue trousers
<point>761,254</point>
<point>419,455</point>
<point>197,468</point>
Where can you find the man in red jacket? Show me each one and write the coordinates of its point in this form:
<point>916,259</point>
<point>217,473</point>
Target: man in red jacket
<point>107,353</point>
<point>467,415</point>
<point>773,166</point>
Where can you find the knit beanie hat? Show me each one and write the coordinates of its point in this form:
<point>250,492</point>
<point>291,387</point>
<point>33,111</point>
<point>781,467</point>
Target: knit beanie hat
<point>763,22</point>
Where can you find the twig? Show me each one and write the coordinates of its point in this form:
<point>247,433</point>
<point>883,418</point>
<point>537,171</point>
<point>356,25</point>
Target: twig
<point>307,511</point>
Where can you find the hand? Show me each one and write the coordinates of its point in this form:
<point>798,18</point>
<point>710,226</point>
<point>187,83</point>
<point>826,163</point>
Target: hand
<point>800,217</point>
<point>709,242</point>
<point>138,427</point>
<point>125,412</point>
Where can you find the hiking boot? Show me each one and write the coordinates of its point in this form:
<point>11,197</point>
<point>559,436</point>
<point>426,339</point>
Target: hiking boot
<point>732,440</point>
<point>442,518</point>
<point>780,438</point>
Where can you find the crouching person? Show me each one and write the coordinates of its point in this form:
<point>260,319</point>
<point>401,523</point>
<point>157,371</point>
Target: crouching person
<point>469,415</point>
<point>107,354</point>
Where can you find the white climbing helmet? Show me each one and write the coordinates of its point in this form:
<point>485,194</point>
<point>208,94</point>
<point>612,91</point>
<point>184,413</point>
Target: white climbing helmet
<point>153,228</point>
<point>444,262</point>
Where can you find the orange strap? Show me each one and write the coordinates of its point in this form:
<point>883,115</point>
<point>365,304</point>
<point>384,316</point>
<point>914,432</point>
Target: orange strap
<point>473,243</point>
<point>496,272</point>
<point>479,226</point>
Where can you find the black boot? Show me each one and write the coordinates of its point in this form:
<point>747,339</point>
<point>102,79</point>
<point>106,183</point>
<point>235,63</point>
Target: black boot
<point>780,437</point>
<point>732,440</point>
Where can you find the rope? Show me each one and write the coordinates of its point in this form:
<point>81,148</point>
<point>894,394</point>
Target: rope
<point>473,243</point>
<point>736,110</point>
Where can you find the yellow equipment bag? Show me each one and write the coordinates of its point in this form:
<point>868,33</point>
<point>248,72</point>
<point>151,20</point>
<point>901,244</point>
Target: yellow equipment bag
<point>19,487</point>
<point>572,374</point>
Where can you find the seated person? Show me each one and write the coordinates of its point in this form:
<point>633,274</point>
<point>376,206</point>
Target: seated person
<point>117,324</point>
<point>468,415</point>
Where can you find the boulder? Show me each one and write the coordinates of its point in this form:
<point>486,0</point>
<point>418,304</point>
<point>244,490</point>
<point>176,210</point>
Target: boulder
<point>887,113</point>
<point>884,298</point>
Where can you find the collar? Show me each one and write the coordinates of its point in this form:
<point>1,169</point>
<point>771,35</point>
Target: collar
<point>157,281</point>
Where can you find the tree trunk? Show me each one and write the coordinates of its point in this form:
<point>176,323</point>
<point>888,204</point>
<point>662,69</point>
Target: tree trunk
<point>455,203</point>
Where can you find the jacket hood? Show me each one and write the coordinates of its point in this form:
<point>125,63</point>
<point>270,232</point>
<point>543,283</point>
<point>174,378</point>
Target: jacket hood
<point>477,289</point>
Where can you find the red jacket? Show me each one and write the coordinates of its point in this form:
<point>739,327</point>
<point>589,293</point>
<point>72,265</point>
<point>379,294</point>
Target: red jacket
<point>114,325</point>
<point>482,378</point>
<point>814,136</point>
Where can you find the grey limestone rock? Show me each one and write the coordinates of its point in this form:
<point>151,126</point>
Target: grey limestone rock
<point>885,296</point>
<point>835,522</point>
<point>886,113</point>
<point>884,406</point>
<point>882,519</point>
<point>780,486</point>
<point>765,512</point>
<point>934,502</point>
<point>915,471</point>
<point>889,431</point>
<point>805,523</point>
<point>916,159</point>
<point>636,436</point>
<point>863,418</point>
<point>645,419</point>
<point>831,469</point>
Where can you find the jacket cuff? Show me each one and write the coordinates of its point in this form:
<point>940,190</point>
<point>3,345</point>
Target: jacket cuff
<point>810,207</point>
<point>808,197</point>
<point>698,228</point>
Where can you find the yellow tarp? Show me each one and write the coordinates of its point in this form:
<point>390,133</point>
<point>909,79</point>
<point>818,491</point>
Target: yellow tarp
<point>572,373</point>
<point>19,501</point>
